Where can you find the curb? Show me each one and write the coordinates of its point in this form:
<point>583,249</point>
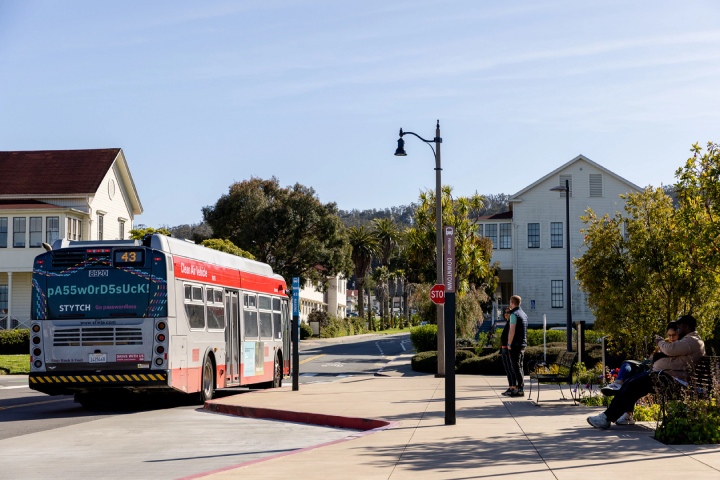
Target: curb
<point>353,423</point>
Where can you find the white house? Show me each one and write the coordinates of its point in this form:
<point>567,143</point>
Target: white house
<point>53,194</point>
<point>333,300</point>
<point>530,243</point>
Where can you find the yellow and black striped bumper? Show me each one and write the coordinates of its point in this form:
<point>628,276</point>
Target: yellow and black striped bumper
<point>55,383</point>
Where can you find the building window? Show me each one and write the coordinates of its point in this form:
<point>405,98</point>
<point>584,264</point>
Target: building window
<point>556,235</point>
<point>533,235</point>
<point>596,186</point>
<point>121,229</point>
<point>556,294</point>
<point>3,232</point>
<point>505,235</point>
<point>3,299</point>
<point>100,226</point>
<point>52,229</point>
<point>491,233</point>
<point>562,184</point>
<point>35,231</point>
<point>19,225</point>
<point>74,229</point>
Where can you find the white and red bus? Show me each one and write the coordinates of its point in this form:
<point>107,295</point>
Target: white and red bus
<point>160,314</point>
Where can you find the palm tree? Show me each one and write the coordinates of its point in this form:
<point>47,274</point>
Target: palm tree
<point>388,236</point>
<point>364,247</point>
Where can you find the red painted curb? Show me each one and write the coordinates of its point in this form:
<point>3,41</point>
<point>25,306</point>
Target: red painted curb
<point>362,424</point>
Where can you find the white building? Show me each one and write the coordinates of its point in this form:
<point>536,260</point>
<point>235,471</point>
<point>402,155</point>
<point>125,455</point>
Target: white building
<point>53,194</point>
<point>530,240</point>
<point>333,301</point>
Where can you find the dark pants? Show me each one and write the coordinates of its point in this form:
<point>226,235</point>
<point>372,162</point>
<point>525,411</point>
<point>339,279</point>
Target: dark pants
<point>516,362</point>
<point>508,367</point>
<point>634,389</point>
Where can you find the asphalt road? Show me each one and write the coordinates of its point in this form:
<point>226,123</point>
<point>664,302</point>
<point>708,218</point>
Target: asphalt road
<point>53,437</point>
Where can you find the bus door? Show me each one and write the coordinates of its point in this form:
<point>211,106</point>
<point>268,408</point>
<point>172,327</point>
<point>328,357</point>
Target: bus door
<point>286,338</point>
<point>232,338</point>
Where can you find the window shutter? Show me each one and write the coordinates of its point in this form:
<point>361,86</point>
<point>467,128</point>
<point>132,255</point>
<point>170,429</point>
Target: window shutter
<point>596,189</point>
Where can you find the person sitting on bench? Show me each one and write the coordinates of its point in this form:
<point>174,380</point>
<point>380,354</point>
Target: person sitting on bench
<point>678,362</point>
<point>630,368</point>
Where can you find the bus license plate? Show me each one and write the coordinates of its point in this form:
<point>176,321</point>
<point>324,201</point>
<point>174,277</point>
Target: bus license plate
<point>98,358</point>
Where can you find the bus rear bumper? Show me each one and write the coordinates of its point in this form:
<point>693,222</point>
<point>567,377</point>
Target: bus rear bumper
<point>72,382</point>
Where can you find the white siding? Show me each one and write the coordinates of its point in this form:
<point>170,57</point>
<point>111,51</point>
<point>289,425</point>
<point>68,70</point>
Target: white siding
<point>535,267</point>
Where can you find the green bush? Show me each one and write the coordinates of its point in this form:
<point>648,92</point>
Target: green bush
<point>14,342</point>
<point>424,362</point>
<point>305,331</point>
<point>342,327</point>
<point>424,338</point>
<point>687,421</point>
<point>535,337</point>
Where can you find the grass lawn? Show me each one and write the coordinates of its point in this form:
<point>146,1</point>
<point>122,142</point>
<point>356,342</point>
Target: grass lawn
<point>15,364</point>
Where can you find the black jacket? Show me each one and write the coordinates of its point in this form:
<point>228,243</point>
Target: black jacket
<point>520,337</point>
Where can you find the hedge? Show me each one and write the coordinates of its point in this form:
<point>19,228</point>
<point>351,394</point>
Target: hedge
<point>491,364</point>
<point>14,342</point>
<point>424,338</point>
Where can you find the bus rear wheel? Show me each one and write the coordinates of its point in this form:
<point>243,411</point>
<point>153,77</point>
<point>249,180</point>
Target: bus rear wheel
<point>207,384</point>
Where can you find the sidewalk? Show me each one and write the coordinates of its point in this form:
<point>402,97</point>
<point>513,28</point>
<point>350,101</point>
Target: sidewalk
<point>494,436</point>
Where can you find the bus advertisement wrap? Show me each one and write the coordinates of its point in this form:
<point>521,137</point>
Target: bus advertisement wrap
<point>88,292</point>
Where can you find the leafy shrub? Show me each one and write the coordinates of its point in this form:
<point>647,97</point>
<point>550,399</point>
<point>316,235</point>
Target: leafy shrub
<point>424,338</point>
<point>487,365</point>
<point>425,362</point>
<point>14,342</point>
<point>342,327</point>
<point>535,337</point>
<point>647,413</point>
<point>687,421</point>
<point>305,331</point>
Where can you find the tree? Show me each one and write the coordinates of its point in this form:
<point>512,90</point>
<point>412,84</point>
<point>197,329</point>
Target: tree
<point>472,252</point>
<point>227,246</point>
<point>388,236</point>
<point>288,228</point>
<point>364,247</point>
<point>139,233</point>
<point>638,272</point>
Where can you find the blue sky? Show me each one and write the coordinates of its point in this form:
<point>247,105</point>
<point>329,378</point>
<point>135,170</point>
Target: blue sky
<point>202,94</point>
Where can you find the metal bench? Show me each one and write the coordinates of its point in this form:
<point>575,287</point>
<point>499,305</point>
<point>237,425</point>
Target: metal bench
<point>565,364</point>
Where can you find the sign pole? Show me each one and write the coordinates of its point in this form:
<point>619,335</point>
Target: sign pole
<point>295,335</point>
<point>449,282</point>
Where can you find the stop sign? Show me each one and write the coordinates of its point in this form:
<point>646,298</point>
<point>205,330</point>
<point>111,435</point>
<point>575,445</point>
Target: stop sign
<point>437,294</point>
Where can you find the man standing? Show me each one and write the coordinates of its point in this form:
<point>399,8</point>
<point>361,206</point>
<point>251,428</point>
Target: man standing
<point>671,370</point>
<point>517,341</point>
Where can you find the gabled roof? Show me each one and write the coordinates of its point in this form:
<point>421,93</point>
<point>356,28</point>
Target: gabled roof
<point>563,167</point>
<point>45,173</point>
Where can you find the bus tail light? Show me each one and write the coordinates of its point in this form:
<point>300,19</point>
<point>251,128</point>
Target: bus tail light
<point>161,326</point>
<point>159,362</point>
<point>36,328</point>
<point>38,363</point>
<point>161,337</point>
<point>37,352</point>
<point>160,349</point>
<point>36,340</point>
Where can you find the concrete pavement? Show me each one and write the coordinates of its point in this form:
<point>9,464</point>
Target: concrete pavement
<point>494,436</point>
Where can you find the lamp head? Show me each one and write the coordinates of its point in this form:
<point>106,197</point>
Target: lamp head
<point>559,188</point>
<point>400,151</point>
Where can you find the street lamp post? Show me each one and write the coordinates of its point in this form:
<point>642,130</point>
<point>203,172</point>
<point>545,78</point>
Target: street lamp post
<point>566,188</point>
<point>400,152</point>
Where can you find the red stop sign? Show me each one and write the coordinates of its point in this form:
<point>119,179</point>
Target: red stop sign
<point>437,294</point>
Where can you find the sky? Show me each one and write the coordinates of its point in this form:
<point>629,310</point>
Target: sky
<point>200,95</point>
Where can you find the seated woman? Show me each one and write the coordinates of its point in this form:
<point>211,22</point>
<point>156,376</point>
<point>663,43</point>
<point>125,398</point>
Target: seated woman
<point>630,368</point>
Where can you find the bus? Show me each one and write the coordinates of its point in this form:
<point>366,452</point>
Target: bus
<point>157,315</point>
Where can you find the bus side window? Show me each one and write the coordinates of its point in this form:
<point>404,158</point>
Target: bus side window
<point>215,309</point>
<point>265,316</point>
<point>194,306</point>
<point>251,325</point>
